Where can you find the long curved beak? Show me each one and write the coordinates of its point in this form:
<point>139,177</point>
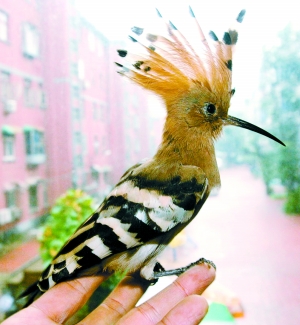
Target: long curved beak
<point>230,120</point>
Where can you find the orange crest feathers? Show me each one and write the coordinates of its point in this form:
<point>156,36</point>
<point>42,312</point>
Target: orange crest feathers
<point>171,67</point>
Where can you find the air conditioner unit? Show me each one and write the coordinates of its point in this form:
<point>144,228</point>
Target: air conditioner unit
<point>86,84</point>
<point>10,106</point>
<point>15,213</point>
<point>5,216</point>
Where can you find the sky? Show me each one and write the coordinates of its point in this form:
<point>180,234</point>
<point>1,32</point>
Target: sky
<point>263,20</point>
<point>115,17</point>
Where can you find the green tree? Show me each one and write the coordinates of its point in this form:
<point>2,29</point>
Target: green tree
<point>69,211</point>
<point>280,101</point>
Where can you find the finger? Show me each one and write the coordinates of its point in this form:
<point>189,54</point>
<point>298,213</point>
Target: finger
<point>190,311</point>
<point>64,299</point>
<point>193,281</point>
<point>123,298</point>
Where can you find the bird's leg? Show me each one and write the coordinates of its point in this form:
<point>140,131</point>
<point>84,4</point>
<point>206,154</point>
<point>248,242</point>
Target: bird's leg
<point>159,271</point>
<point>158,268</point>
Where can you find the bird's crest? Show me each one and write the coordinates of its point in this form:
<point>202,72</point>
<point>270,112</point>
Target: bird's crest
<point>170,66</point>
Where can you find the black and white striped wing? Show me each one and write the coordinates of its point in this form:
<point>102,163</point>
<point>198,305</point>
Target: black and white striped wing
<point>134,213</point>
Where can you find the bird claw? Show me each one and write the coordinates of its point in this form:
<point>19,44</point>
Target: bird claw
<point>202,260</point>
<point>160,273</point>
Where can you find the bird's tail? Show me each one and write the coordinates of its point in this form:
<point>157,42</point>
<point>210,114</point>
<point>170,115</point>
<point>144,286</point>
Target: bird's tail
<point>30,294</point>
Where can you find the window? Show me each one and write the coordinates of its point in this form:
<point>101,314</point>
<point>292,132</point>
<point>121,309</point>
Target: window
<point>82,107</point>
<point>78,161</point>
<point>45,195</point>
<point>76,113</point>
<point>42,102</point>
<point>5,86</point>
<point>74,45</point>
<point>11,198</point>
<point>75,180</point>
<point>3,27</point>
<point>8,135</point>
<point>74,69</point>
<point>77,138</point>
<point>35,147</point>
<point>11,203</point>
<point>75,91</point>
<point>96,145</point>
<point>28,93</point>
<point>107,177</point>
<point>30,41</point>
<point>80,66</point>
<point>77,69</point>
<point>9,148</point>
<point>33,197</point>
<point>95,176</point>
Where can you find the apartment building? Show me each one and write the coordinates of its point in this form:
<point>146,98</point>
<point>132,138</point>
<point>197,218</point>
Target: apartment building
<point>67,118</point>
<point>23,113</point>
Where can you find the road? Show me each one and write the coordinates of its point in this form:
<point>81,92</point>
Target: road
<point>255,246</point>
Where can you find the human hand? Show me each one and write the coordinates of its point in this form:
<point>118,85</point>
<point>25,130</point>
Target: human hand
<point>179,303</point>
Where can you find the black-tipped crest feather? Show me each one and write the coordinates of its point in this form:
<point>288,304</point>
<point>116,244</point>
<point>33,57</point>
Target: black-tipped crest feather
<point>241,16</point>
<point>137,30</point>
<point>174,64</point>
<point>122,53</point>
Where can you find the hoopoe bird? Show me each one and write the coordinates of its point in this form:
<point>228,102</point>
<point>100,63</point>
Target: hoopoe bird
<point>154,200</point>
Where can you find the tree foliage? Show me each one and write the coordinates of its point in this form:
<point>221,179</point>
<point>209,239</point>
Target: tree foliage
<point>69,211</point>
<point>280,102</point>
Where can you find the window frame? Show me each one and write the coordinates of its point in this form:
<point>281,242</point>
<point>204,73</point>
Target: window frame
<point>28,102</point>
<point>9,147</point>
<point>11,199</point>
<point>6,85</point>
<point>33,201</point>
<point>3,23</point>
<point>34,146</point>
<point>30,41</point>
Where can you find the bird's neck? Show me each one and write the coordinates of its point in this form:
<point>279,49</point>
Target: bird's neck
<point>189,148</point>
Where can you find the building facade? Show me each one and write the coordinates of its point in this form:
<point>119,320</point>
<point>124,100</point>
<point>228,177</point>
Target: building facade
<point>23,172</point>
<point>67,118</point>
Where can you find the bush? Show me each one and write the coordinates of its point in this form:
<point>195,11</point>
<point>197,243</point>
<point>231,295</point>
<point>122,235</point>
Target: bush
<point>292,205</point>
<point>68,213</point>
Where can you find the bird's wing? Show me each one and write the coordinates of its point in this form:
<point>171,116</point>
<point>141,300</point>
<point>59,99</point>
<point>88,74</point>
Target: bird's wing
<point>135,212</point>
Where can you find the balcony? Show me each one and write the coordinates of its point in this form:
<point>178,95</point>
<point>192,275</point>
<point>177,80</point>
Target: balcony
<point>8,215</point>
<point>10,106</point>
<point>35,159</point>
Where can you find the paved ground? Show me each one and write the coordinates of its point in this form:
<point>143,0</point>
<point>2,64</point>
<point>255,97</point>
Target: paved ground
<point>255,246</point>
<point>15,259</point>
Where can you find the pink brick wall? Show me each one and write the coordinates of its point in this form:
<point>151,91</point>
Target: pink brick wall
<point>103,130</point>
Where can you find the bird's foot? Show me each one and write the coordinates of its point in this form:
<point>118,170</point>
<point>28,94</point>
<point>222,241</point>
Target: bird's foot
<point>159,271</point>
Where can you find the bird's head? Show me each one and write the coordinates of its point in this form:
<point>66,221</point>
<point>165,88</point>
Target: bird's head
<point>195,86</point>
<point>200,110</point>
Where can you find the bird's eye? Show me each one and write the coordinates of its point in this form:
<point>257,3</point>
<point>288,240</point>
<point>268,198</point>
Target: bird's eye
<point>210,109</point>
